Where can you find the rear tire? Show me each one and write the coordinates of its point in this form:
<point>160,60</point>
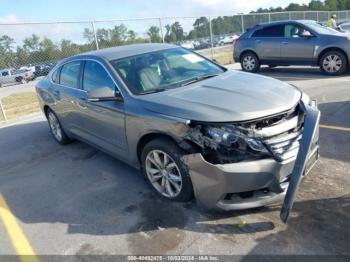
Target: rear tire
<point>166,173</point>
<point>333,63</point>
<point>56,128</point>
<point>250,62</point>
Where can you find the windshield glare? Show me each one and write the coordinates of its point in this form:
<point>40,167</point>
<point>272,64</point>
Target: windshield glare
<point>163,69</point>
<point>320,29</point>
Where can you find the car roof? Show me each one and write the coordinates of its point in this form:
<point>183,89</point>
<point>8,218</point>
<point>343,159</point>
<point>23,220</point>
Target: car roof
<point>286,21</point>
<point>126,51</point>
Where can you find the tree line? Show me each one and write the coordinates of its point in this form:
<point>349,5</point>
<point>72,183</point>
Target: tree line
<point>37,50</point>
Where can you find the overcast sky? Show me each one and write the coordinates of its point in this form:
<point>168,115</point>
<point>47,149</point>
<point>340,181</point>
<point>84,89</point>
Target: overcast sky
<point>47,10</point>
<point>19,11</point>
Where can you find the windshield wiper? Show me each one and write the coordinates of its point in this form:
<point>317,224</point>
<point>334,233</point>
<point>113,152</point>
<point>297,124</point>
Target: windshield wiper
<point>151,91</point>
<point>198,78</point>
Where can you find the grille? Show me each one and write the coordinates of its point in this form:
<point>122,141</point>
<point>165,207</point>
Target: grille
<point>282,139</point>
<point>284,146</point>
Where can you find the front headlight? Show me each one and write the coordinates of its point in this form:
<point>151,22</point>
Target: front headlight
<point>222,136</point>
<point>229,138</point>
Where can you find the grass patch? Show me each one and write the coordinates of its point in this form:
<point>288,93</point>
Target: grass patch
<point>17,105</point>
<point>224,58</point>
<point>2,118</point>
<point>223,55</point>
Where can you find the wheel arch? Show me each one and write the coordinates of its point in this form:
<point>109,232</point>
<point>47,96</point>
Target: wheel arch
<point>145,139</point>
<point>186,145</point>
<point>332,49</point>
<point>248,51</point>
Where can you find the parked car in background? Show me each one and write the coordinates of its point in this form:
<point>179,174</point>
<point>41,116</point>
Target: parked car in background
<point>11,76</point>
<point>194,128</point>
<point>188,45</point>
<point>293,43</point>
<point>30,69</point>
<point>228,40</point>
<point>43,69</point>
<point>202,44</point>
<point>344,27</point>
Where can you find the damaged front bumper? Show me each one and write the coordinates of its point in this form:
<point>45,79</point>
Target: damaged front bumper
<point>250,184</point>
<point>241,185</point>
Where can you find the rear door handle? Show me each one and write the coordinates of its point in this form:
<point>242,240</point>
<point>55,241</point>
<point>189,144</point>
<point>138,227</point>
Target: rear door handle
<point>285,43</point>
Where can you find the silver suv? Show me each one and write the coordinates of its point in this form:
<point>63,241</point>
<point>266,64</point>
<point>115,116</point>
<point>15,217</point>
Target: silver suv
<point>293,43</point>
<point>193,127</point>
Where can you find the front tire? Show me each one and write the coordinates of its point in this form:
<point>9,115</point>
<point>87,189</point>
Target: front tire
<point>250,62</point>
<point>165,171</point>
<point>333,63</point>
<point>56,128</point>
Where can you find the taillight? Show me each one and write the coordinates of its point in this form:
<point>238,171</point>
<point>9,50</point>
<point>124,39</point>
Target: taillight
<point>235,42</point>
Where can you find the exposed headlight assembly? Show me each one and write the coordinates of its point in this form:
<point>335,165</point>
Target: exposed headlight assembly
<point>228,138</point>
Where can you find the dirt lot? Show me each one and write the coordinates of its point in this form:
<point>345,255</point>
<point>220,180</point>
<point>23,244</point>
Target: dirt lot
<point>77,200</point>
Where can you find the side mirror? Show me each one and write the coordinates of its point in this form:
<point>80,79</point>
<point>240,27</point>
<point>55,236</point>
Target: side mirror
<point>103,94</point>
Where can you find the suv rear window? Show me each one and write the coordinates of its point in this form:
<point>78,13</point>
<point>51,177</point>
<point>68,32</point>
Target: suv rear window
<point>270,31</point>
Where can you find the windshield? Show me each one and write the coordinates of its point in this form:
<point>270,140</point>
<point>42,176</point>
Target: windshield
<point>161,70</point>
<point>321,29</point>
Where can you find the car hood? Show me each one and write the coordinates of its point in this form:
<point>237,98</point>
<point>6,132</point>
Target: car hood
<point>230,97</point>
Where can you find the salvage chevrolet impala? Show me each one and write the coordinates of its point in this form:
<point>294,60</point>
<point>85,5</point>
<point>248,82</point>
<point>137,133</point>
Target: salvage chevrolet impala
<point>232,140</point>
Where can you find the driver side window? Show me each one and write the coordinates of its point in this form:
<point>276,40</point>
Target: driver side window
<point>95,77</point>
<point>295,31</point>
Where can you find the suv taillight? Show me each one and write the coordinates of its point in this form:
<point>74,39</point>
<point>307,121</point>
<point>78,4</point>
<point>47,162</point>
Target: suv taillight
<point>235,42</point>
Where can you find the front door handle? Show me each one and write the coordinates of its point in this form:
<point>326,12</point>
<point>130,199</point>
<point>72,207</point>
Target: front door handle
<point>285,43</point>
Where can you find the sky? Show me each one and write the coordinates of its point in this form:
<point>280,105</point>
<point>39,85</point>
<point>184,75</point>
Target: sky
<point>20,11</point>
<point>47,10</point>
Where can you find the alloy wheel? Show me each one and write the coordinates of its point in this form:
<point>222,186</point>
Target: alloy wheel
<point>55,126</point>
<point>163,173</point>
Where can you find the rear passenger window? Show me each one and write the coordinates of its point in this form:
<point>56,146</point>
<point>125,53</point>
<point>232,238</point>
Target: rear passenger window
<point>55,77</point>
<point>271,31</point>
<point>70,74</point>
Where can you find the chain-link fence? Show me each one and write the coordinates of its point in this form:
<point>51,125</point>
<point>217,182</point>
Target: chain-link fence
<point>30,50</point>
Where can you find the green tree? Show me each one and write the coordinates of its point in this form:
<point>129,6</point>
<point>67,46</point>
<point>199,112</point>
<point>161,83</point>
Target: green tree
<point>7,56</point>
<point>154,34</point>
<point>67,48</point>
<point>316,5</point>
<point>6,43</point>
<point>174,33</point>
<point>331,5</point>
<point>131,36</point>
<point>201,26</point>
<point>118,34</point>
<point>31,43</point>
